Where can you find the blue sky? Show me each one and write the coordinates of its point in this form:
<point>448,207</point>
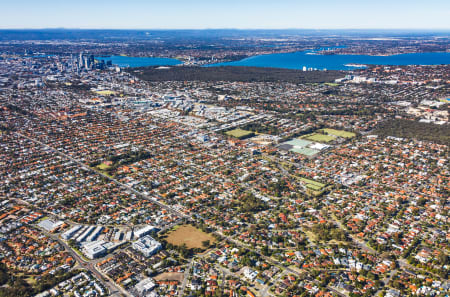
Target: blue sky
<point>199,14</point>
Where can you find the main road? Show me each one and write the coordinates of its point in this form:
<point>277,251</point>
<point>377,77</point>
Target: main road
<point>113,288</point>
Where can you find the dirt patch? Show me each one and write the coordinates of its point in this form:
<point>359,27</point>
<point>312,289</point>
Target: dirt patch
<point>190,236</point>
<point>170,276</point>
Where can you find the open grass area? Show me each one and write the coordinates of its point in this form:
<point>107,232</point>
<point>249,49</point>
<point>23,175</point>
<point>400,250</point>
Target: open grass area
<point>239,133</point>
<point>105,92</point>
<point>320,137</point>
<point>313,186</point>
<point>31,280</point>
<point>311,182</point>
<point>102,171</point>
<point>103,166</point>
<point>339,133</point>
<point>42,219</point>
<point>311,236</point>
<point>190,236</point>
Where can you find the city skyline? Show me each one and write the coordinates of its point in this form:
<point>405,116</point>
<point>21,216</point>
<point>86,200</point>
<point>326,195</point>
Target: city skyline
<point>201,14</point>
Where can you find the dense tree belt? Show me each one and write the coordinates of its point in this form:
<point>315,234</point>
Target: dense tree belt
<point>234,73</point>
<point>414,129</point>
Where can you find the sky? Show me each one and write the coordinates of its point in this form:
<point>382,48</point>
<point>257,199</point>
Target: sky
<point>241,14</point>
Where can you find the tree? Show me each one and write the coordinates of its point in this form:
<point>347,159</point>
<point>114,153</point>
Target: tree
<point>4,276</point>
<point>443,259</point>
<point>206,243</point>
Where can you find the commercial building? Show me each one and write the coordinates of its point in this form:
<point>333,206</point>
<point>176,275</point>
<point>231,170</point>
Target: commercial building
<point>95,233</point>
<point>95,249</point>
<point>85,234</point>
<point>71,232</point>
<point>50,225</point>
<point>147,245</point>
<point>144,231</point>
<point>144,286</point>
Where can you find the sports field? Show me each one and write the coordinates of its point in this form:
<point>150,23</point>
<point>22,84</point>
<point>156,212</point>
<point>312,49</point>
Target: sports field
<point>320,137</point>
<point>105,92</point>
<point>189,235</point>
<point>305,151</point>
<point>312,184</point>
<point>298,143</point>
<point>239,133</point>
<point>339,133</point>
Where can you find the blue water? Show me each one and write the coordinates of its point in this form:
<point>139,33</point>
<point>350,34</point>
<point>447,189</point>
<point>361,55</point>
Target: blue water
<point>124,61</point>
<point>337,62</point>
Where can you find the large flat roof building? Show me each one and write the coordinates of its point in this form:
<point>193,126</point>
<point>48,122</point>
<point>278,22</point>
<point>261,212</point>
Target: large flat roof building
<point>144,286</point>
<point>144,231</point>
<point>147,245</point>
<point>95,249</point>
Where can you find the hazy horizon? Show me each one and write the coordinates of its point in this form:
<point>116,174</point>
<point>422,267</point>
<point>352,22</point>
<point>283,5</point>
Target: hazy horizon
<point>230,28</point>
<point>232,14</point>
